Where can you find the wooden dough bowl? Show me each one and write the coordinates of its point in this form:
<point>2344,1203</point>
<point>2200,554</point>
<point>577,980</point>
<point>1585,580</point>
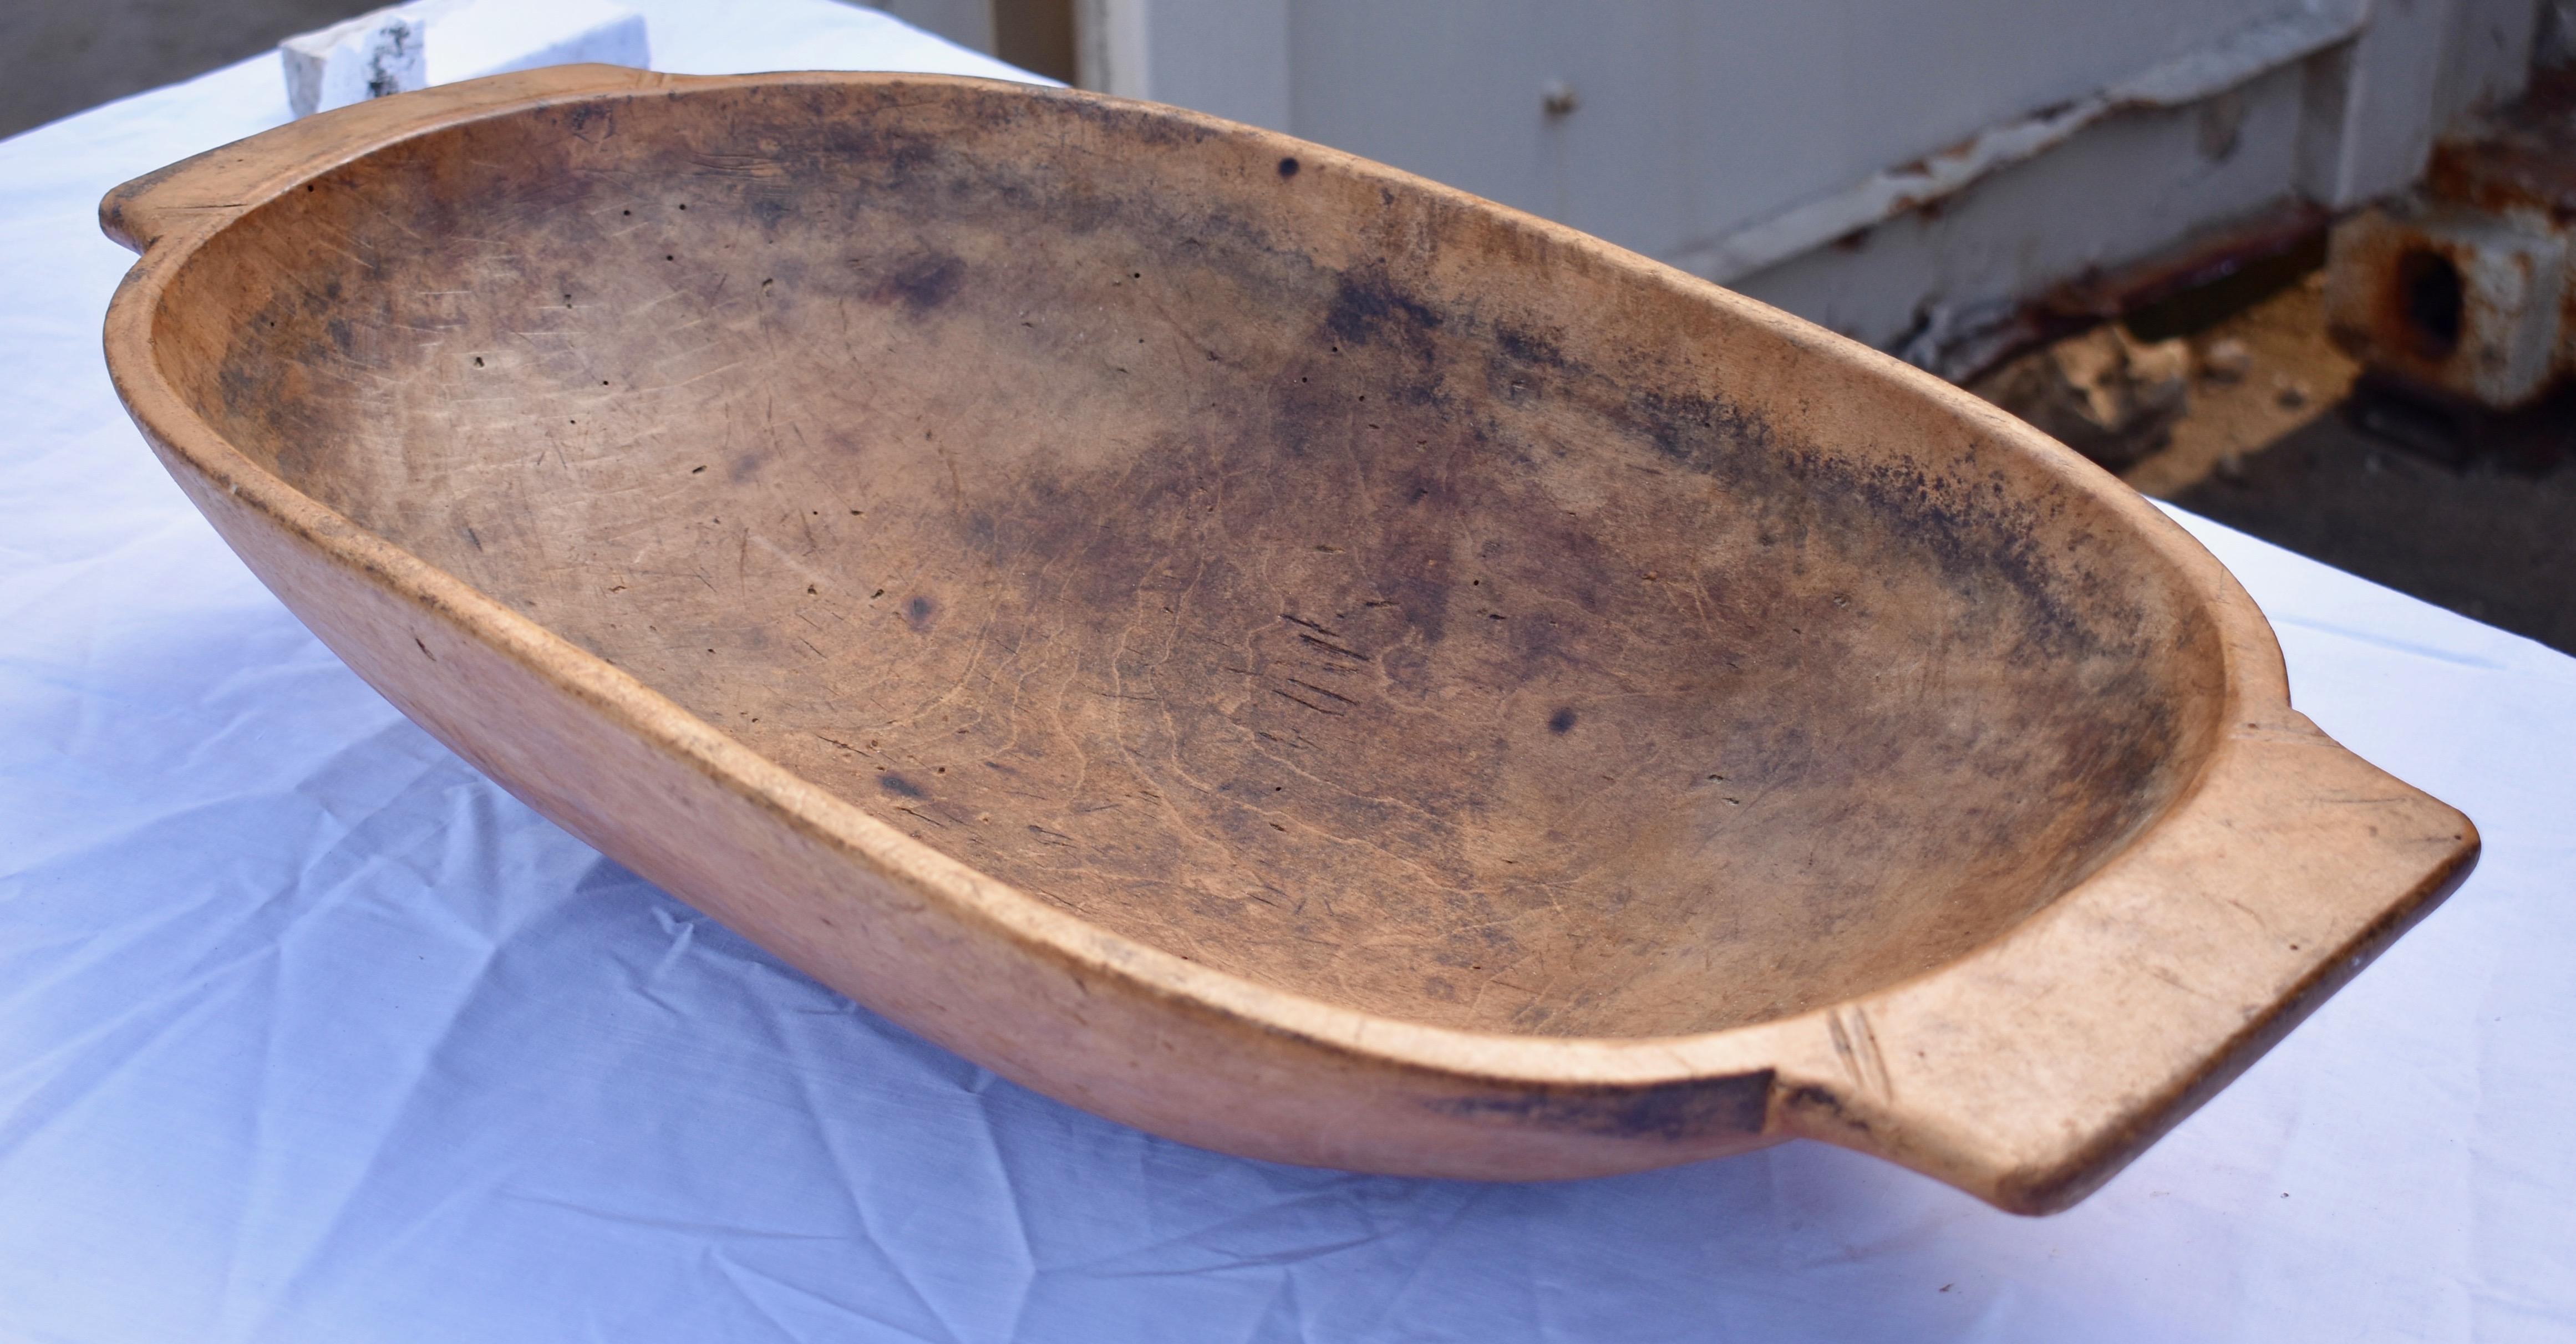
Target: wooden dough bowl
<point>1258,645</point>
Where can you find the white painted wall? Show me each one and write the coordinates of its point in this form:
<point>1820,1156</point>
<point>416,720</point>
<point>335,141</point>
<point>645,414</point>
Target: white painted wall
<point>1700,118</point>
<point>1783,145</point>
<point>968,23</point>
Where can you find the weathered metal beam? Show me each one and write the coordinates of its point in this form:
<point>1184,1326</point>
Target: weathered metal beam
<point>2249,51</point>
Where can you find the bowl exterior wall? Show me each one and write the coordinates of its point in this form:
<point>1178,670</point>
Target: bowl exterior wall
<point>1182,1069</point>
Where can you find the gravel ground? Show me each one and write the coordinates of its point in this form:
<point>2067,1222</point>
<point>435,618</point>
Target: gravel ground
<point>2473,513</point>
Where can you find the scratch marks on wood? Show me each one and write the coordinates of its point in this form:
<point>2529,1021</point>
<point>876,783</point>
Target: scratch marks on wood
<point>1290,695</point>
<point>1856,1045</point>
<point>1331,647</point>
<point>1322,691</point>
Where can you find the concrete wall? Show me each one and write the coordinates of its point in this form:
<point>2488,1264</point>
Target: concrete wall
<point>58,57</point>
<point>1908,173</point>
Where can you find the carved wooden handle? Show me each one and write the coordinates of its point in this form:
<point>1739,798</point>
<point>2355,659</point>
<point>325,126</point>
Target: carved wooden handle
<point>220,183</point>
<point>2033,1070</point>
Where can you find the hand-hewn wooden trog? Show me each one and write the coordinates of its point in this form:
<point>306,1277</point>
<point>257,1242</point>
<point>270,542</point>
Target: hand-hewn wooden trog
<point>1258,645</point>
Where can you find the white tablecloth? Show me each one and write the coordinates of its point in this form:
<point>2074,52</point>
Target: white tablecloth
<point>309,1033</point>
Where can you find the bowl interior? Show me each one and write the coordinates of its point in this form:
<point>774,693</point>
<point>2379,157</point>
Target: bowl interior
<point>1316,576</point>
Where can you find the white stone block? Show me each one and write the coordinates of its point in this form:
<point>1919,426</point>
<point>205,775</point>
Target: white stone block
<point>354,60</point>
<point>426,42</point>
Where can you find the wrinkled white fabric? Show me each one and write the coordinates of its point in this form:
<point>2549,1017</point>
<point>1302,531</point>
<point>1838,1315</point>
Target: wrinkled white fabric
<point>309,1033</point>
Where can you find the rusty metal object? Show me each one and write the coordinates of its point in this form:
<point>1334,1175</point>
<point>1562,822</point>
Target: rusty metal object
<point>2203,75</point>
<point>1259,645</point>
<point>2206,275</point>
<point>2213,270</point>
<point>2466,286</point>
